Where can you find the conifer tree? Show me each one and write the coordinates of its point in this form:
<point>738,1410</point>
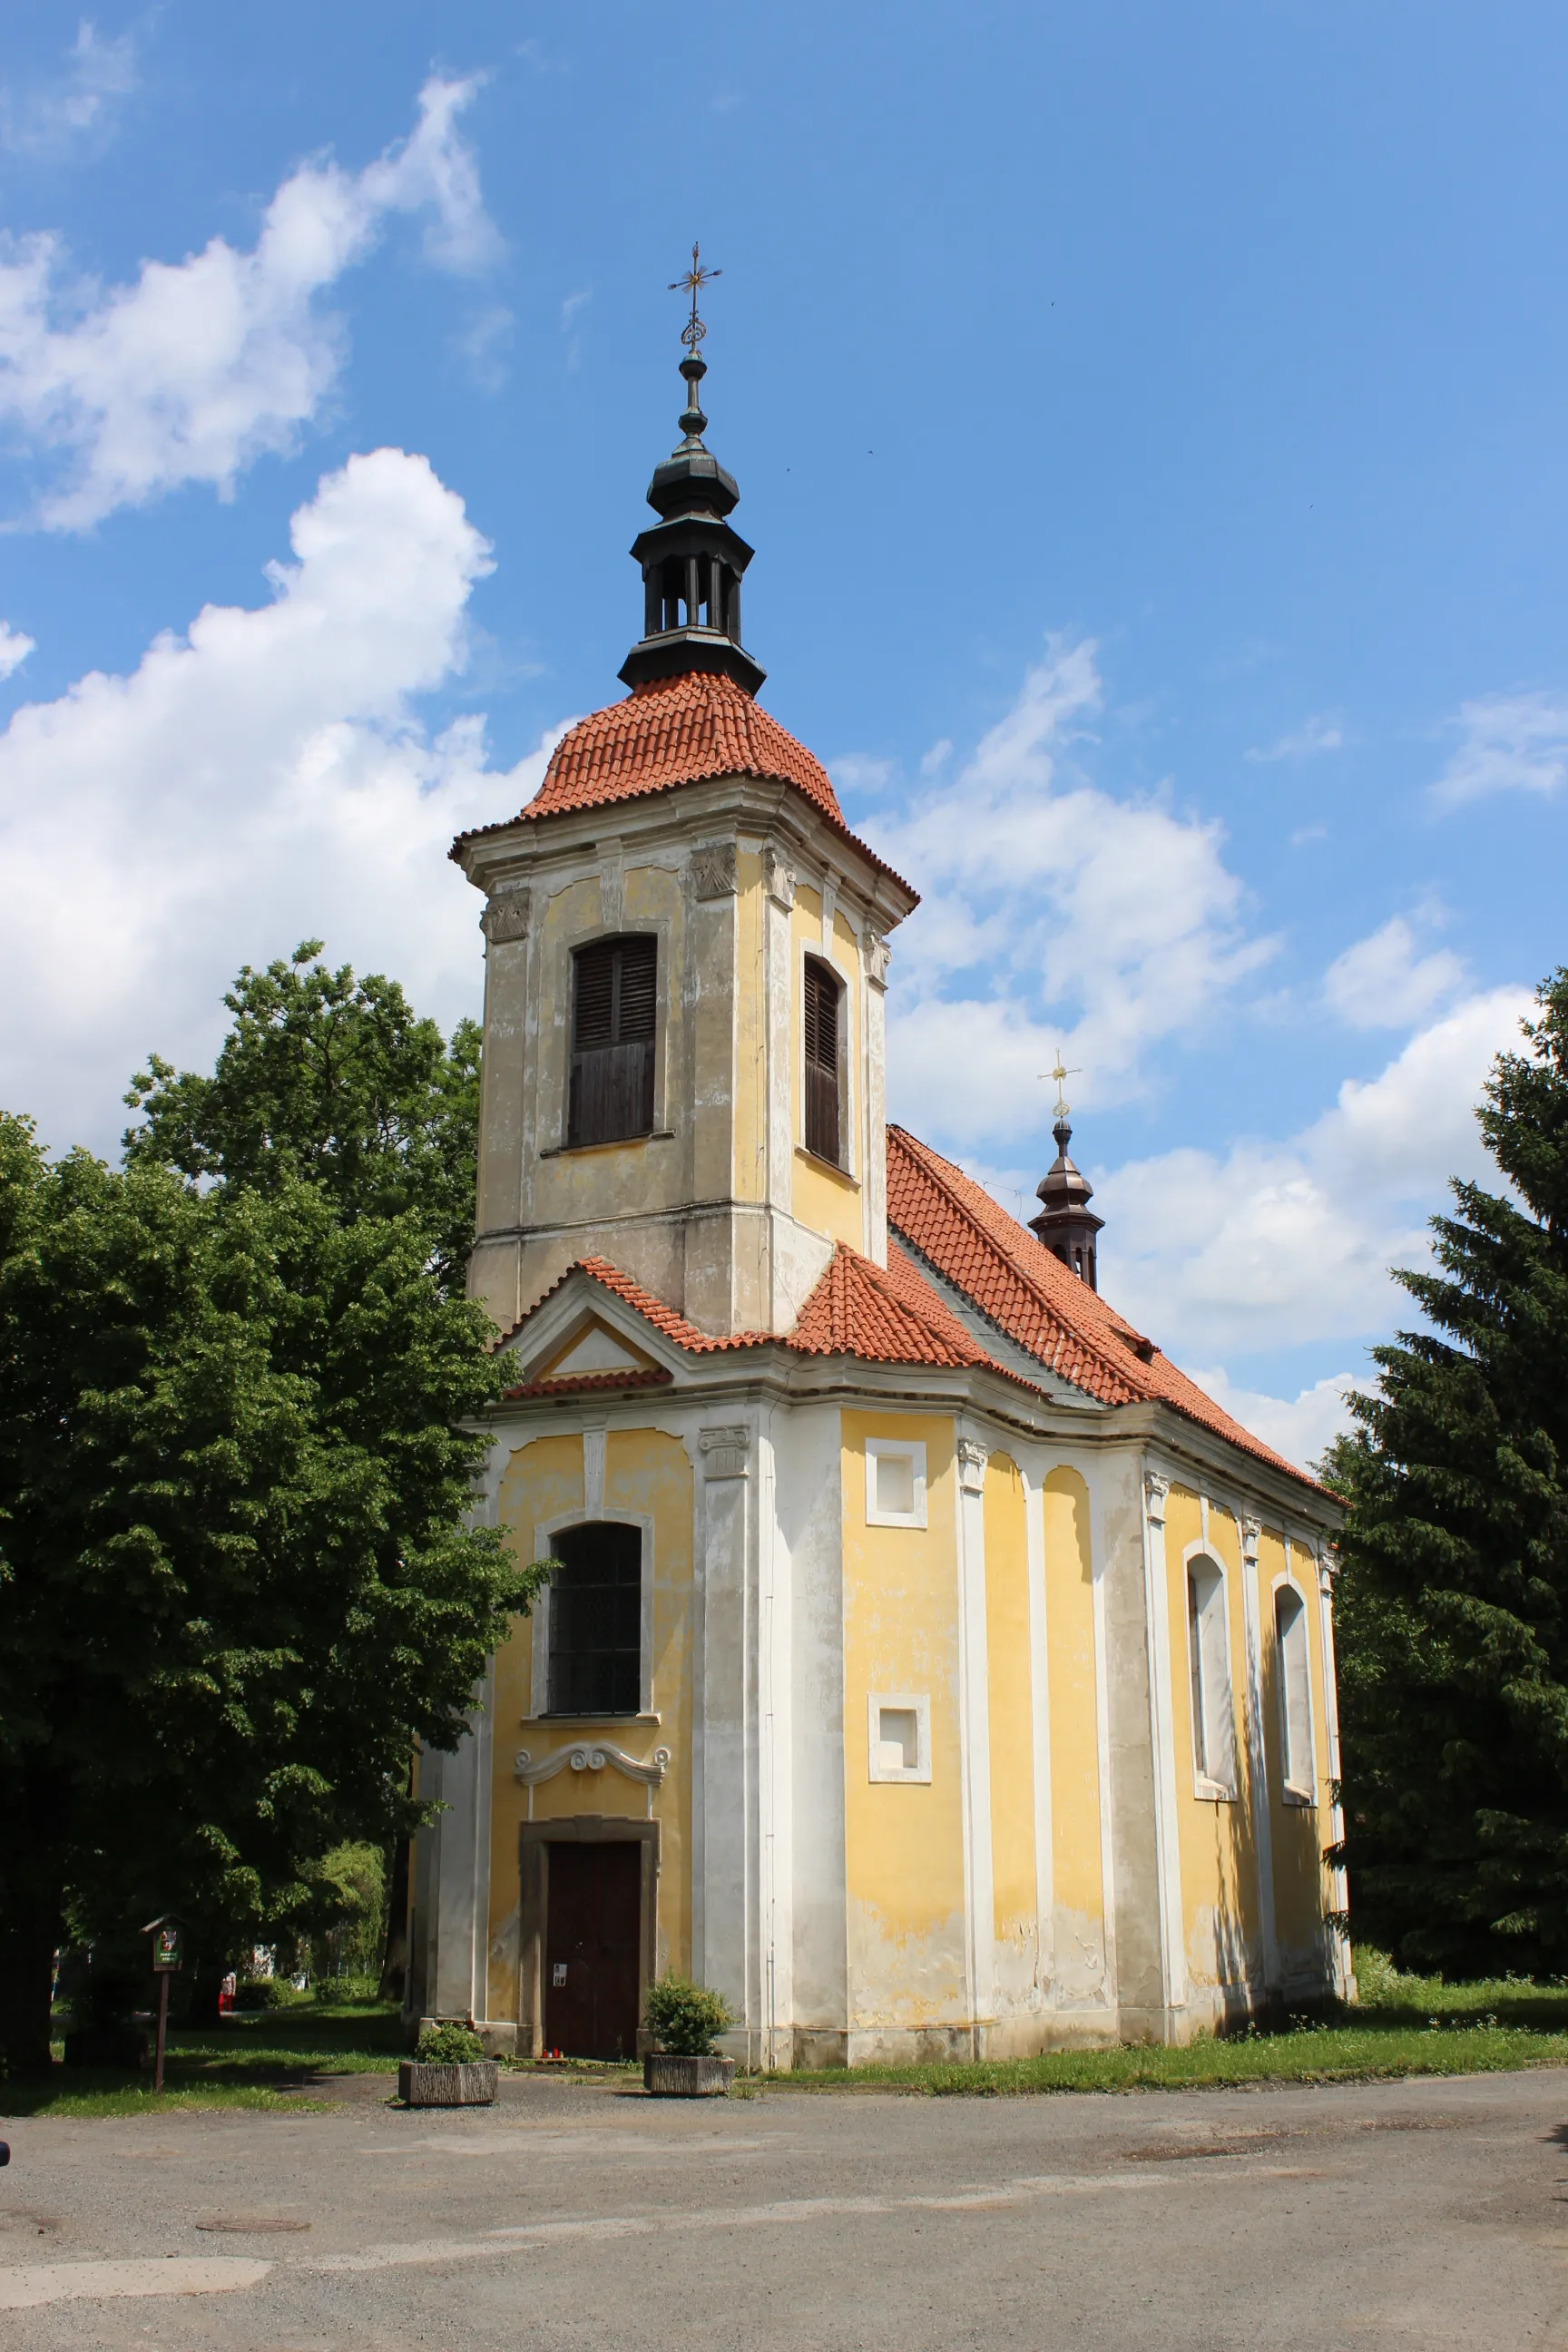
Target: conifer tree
<point>1452,1614</point>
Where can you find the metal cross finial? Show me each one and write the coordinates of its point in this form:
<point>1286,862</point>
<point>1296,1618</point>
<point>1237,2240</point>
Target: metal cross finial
<point>696,278</point>
<point>1059,1074</point>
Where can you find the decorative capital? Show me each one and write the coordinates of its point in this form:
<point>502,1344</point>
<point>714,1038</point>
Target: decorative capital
<point>1251,1536</point>
<point>972,1459</point>
<point>876,956</point>
<point>505,918</point>
<point>713,870</point>
<point>1328,1567</point>
<point>724,1451</point>
<point>1156,1492</point>
<point>778,875</point>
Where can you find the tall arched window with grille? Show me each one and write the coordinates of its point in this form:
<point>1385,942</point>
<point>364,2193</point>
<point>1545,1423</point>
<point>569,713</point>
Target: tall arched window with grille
<point>822,1028</point>
<point>1295,1692</point>
<point>614,1022</point>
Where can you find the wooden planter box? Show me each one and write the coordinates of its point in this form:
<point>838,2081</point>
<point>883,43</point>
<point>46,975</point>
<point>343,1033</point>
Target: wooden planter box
<point>668,2077</point>
<point>423,2085</point>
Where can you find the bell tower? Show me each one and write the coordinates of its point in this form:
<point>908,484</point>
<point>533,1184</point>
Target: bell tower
<point>1067,1225</point>
<point>686,962</point>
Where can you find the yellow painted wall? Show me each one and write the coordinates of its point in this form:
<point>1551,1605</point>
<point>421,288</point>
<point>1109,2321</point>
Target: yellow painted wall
<point>1218,1861</point>
<point>827,1201</point>
<point>903,1844</point>
<point>1077,1877</point>
<point>647,1473</point>
<point>1298,1833</point>
<point>598,1182</point>
<point>1008,1670</point>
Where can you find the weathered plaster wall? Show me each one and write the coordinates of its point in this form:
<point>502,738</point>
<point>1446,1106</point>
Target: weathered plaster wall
<point>1077,1871</point>
<point>646,1473</point>
<point>1298,1834</point>
<point>1222,1928</point>
<point>1015,1894</point>
<point>904,1857</point>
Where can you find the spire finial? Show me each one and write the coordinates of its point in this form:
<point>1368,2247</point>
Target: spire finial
<point>693,367</point>
<point>692,283</point>
<point>1061,1073</point>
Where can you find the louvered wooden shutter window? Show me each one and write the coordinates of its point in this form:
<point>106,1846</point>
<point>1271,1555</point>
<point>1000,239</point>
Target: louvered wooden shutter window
<point>613,1022</point>
<point>821,1062</point>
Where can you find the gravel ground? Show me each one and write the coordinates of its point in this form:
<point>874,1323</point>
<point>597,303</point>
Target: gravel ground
<point>1397,2215</point>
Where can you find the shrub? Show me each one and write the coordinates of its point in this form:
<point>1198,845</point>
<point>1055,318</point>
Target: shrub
<point>449,2045</point>
<point>683,2017</point>
<point>268,1992</point>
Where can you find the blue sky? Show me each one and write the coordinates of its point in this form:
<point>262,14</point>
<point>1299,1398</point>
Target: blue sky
<point>1149,424</point>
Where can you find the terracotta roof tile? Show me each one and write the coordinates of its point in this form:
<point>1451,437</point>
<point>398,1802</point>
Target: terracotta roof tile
<point>888,1315</point>
<point>956,1225</point>
<point>643,1376</point>
<point>677,730</point>
<point>663,1318</point>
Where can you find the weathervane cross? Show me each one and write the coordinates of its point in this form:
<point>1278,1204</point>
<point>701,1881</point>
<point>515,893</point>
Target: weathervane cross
<point>1060,1073</point>
<point>692,283</point>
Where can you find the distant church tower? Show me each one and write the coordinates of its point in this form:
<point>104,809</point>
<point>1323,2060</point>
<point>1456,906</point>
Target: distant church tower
<point>1067,1225</point>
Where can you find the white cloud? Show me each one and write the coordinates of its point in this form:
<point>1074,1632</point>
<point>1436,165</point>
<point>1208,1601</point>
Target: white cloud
<point>1272,1245</point>
<point>1309,741</point>
<point>1509,742</point>
<point>262,779</point>
<point>14,648</point>
<point>46,120</point>
<point>1055,911</point>
<point>1381,982</point>
<point>1297,1427</point>
<point>856,772</point>
<point>200,366</point>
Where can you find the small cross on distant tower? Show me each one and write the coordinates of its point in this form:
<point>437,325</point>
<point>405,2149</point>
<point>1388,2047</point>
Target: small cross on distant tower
<point>692,283</point>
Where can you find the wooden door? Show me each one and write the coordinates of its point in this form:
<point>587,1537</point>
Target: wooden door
<point>592,1937</point>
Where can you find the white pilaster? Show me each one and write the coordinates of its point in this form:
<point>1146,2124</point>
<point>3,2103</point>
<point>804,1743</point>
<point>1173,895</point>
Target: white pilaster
<point>975,1737</point>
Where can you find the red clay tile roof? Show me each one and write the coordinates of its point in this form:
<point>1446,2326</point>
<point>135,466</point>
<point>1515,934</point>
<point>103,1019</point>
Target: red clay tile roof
<point>641,1376</point>
<point>893,1315</point>
<point>889,1314</point>
<point>664,1318</point>
<point>677,730</point>
<point>1018,1284</point>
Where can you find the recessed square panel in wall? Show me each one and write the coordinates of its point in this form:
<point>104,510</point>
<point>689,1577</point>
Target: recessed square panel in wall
<point>897,1731</point>
<point>895,1483</point>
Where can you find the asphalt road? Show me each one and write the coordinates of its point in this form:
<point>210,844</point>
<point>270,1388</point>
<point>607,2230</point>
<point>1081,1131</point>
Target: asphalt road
<point>1399,2215</point>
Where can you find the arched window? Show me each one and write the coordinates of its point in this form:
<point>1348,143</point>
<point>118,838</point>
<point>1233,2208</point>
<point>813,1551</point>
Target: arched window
<point>1208,1662</point>
<point>595,1620</point>
<point>1295,1692</point>
<point>614,1009</point>
<point>822,994</point>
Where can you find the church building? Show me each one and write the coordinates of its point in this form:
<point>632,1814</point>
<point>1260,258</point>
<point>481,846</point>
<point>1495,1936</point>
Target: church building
<point>930,1666</point>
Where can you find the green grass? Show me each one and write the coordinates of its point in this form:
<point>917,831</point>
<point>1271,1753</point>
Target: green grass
<point>248,2063</point>
<point>1403,2025</point>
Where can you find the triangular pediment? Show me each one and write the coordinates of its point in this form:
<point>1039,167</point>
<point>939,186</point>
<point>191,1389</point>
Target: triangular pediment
<point>592,1348</point>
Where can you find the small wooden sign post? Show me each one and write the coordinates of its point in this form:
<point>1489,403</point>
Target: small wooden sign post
<point>168,1936</point>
